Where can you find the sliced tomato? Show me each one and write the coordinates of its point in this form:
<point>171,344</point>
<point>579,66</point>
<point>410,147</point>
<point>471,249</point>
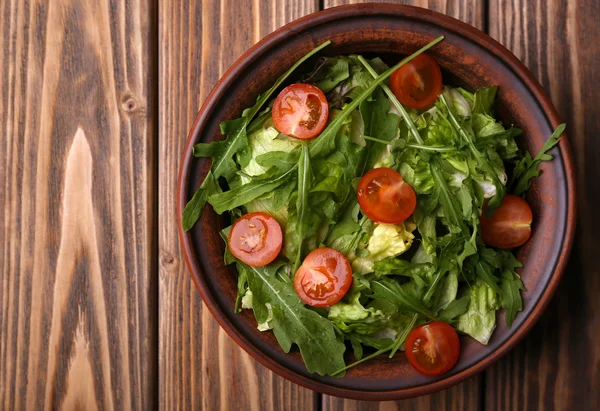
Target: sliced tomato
<point>432,349</point>
<point>385,197</point>
<point>324,277</point>
<point>255,239</point>
<point>509,226</point>
<point>300,111</point>
<point>418,83</point>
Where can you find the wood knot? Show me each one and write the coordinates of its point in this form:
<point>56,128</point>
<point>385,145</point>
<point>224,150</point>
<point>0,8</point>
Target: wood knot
<point>167,261</point>
<point>129,104</point>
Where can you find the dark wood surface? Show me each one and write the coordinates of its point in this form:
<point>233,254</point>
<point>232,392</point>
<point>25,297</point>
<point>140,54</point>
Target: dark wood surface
<point>97,309</point>
<point>78,185</point>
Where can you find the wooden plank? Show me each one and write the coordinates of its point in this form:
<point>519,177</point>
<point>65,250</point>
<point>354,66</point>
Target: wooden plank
<point>465,396</point>
<point>200,366</point>
<point>76,238</point>
<point>471,12</point>
<point>557,366</point>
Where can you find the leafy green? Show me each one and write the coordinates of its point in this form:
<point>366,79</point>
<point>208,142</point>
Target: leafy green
<point>455,309</point>
<point>459,103</point>
<point>325,141</point>
<point>222,152</point>
<point>352,317</point>
<point>390,290</point>
<point>292,323</point>
<point>304,181</point>
<point>244,194</point>
<point>268,150</point>
<point>483,161</point>
<point>379,123</point>
<point>390,240</point>
<point>480,319</point>
<point>510,286</point>
<point>329,72</point>
<point>527,168</point>
<point>484,100</point>
<point>453,155</point>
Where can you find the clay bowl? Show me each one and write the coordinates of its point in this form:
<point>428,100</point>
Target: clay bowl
<point>469,58</point>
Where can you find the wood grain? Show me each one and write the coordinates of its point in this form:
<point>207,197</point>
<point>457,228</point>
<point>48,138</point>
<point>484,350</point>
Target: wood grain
<point>465,396</point>
<point>558,365</point>
<point>200,366</point>
<point>77,315</point>
<point>472,12</point>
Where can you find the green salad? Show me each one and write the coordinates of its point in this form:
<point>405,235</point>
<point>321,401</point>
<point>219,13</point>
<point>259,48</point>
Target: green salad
<point>373,209</point>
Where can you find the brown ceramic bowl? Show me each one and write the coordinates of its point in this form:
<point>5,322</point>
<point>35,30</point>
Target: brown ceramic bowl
<point>469,58</point>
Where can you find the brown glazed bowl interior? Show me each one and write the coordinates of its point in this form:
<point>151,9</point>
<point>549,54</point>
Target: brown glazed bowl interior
<point>468,58</point>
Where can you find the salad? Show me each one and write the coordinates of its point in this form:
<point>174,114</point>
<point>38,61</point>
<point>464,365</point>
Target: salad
<point>373,208</point>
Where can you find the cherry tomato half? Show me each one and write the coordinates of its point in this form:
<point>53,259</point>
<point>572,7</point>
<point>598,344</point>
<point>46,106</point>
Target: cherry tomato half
<point>384,196</point>
<point>300,111</point>
<point>509,226</point>
<point>418,83</point>
<point>255,239</point>
<point>324,277</point>
<point>432,349</point>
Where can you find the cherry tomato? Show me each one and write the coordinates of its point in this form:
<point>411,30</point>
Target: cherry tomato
<point>509,226</point>
<point>324,277</point>
<point>255,239</point>
<point>300,111</point>
<point>418,83</point>
<point>384,196</point>
<point>432,349</point>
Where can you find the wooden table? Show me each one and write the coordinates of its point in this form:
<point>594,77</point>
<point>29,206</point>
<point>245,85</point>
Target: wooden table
<point>97,310</point>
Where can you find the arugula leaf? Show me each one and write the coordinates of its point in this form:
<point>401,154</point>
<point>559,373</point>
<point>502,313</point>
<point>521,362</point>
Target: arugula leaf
<point>329,72</point>
<point>482,161</point>
<point>243,194</point>
<point>455,309</point>
<point>356,347</point>
<point>379,123</point>
<point>527,168</point>
<point>326,139</point>
<point>447,199</point>
<point>279,159</point>
<point>292,323</point>
<point>304,180</point>
<point>511,286</point>
<point>358,340</point>
<point>222,152</point>
<point>485,271</point>
<point>388,289</point>
<point>242,284</point>
<point>394,99</point>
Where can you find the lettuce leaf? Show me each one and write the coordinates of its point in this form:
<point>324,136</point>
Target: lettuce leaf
<point>480,319</point>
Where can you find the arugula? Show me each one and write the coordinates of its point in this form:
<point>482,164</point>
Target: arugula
<point>304,181</point>
<point>483,162</point>
<point>484,100</point>
<point>394,101</point>
<point>329,72</point>
<point>292,323</point>
<point>527,168</point>
<point>222,152</point>
<point>326,140</point>
<point>243,194</point>
<point>388,289</point>
<point>379,124</point>
<point>455,309</point>
<point>511,286</point>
